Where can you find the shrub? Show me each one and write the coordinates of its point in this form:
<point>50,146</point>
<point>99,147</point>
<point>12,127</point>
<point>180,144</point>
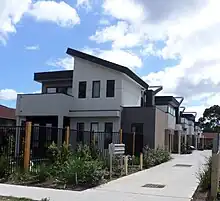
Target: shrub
<point>80,171</point>
<point>3,166</point>
<point>53,152</point>
<point>153,157</point>
<point>204,176</point>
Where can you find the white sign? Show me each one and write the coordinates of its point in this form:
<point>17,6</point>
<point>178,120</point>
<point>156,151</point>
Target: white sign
<point>116,149</point>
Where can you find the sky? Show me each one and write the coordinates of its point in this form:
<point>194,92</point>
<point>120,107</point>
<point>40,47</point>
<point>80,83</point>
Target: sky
<point>171,43</point>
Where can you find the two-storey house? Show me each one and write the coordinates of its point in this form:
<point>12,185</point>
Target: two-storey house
<point>97,96</point>
<point>188,123</point>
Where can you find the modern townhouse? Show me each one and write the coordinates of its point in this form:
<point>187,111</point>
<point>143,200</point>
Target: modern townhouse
<point>100,96</point>
<point>199,136</point>
<point>173,130</point>
<point>188,123</point>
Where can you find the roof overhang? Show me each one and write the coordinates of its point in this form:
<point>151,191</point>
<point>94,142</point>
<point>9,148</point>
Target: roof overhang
<point>53,76</point>
<point>166,100</point>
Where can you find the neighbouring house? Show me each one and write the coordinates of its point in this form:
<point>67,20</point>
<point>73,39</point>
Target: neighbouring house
<point>98,96</point>
<point>173,130</point>
<point>7,116</point>
<point>208,139</point>
<point>188,123</point>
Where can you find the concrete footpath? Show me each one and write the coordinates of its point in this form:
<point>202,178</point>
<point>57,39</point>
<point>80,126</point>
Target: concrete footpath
<point>180,184</point>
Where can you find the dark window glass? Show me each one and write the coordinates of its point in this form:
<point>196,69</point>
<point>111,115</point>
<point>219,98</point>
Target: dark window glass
<point>80,132</point>
<point>82,90</point>
<point>108,134</point>
<point>96,89</point>
<point>110,88</point>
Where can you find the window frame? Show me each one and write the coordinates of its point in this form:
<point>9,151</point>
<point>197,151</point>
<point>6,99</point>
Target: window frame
<point>82,95</point>
<point>93,88</point>
<point>110,94</point>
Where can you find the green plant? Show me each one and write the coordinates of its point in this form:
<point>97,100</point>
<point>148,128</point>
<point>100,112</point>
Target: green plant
<point>3,166</point>
<point>153,157</point>
<point>204,176</point>
<point>53,152</point>
<point>83,151</point>
<point>43,172</point>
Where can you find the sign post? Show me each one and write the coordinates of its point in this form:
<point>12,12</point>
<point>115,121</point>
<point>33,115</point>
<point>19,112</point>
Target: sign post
<point>115,149</point>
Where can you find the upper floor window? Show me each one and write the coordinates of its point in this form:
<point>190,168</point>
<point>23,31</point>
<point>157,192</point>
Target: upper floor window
<point>171,111</point>
<point>110,88</point>
<point>51,90</point>
<point>82,89</point>
<point>96,89</point>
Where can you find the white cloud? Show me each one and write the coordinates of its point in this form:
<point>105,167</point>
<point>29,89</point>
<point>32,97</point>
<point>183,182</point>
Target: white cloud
<point>66,63</point>
<point>8,94</point>
<point>11,94</point>
<point>121,57</point>
<point>61,13</point>
<point>12,11</point>
<point>189,31</point>
<point>124,10</point>
<point>120,35</point>
<point>32,47</point>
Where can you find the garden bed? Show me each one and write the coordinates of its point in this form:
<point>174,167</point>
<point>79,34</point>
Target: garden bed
<point>79,170</point>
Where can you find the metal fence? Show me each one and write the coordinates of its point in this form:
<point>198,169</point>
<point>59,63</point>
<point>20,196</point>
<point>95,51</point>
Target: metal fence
<point>8,141</point>
<point>42,137</point>
<point>100,140</point>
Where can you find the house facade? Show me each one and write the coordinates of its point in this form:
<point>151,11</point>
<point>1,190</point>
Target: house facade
<point>100,96</point>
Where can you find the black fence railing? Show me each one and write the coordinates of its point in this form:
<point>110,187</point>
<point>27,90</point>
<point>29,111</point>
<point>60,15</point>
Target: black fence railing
<point>12,141</point>
<point>12,137</point>
<point>100,139</point>
<point>42,137</point>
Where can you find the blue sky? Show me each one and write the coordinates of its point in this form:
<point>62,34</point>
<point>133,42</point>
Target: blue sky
<point>161,42</point>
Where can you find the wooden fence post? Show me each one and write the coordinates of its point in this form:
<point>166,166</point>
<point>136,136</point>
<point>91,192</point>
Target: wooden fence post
<point>67,136</point>
<point>27,146</point>
<point>121,141</point>
<point>141,161</point>
<point>126,164</point>
<point>133,145</point>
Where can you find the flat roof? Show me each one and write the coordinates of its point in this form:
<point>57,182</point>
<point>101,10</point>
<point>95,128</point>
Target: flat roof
<point>53,75</point>
<point>166,100</point>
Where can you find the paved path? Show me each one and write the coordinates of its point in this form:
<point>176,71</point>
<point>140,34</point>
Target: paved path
<point>180,184</point>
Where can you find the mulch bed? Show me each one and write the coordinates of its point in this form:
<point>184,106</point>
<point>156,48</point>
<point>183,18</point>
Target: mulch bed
<point>201,196</point>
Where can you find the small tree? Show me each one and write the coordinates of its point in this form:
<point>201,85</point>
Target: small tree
<point>210,119</point>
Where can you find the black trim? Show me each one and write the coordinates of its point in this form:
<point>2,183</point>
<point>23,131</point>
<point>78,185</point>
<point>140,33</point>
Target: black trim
<point>166,100</point>
<point>190,117</point>
<point>54,75</point>
<point>107,64</point>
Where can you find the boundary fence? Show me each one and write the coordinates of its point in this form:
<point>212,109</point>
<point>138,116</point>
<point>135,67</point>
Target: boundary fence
<point>27,145</point>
